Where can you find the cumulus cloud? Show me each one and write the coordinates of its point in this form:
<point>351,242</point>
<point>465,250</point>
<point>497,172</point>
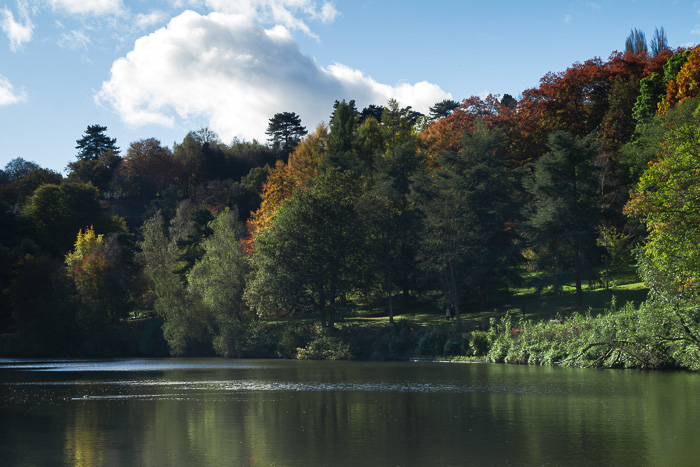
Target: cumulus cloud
<point>235,74</point>
<point>18,32</point>
<point>145,20</point>
<point>287,13</point>
<point>88,7</point>
<point>8,95</point>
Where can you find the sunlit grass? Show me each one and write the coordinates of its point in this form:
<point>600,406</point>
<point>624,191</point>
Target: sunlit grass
<point>545,305</point>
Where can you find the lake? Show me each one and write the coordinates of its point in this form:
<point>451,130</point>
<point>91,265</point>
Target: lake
<point>220,412</point>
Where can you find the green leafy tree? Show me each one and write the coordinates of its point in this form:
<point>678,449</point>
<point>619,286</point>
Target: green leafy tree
<point>343,124</point>
<point>371,111</point>
<point>649,139</point>
<point>618,249</point>
<point>667,201</point>
<point>469,206</point>
<point>285,131</point>
<point>58,212</point>
<point>17,191</point>
<point>100,172</point>
<point>186,329</point>
<point>392,221</point>
<point>95,142</point>
<point>651,91</point>
<point>18,168</point>
<point>218,281</point>
<point>43,308</point>
<point>565,209</point>
<point>313,253</point>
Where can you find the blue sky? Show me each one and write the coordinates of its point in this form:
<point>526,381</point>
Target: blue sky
<point>158,69</point>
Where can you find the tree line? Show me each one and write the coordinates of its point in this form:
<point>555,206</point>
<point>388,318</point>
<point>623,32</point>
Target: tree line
<point>212,239</point>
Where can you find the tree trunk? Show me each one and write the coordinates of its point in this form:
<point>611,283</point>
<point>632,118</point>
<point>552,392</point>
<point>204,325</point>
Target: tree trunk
<point>389,290</point>
<point>331,314</point>
<point>391,308</point>
<point>322,308</point>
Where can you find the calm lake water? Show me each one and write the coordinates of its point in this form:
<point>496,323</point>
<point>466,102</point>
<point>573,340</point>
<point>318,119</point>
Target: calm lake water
<point>219,412</point>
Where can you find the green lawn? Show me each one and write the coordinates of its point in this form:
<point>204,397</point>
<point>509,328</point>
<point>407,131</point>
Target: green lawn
<point>544,306</point>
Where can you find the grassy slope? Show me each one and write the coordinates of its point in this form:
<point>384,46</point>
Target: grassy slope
<point>544,306</point>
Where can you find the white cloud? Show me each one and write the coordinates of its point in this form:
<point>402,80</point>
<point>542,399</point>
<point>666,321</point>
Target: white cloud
<point>17,32</point>
<point>74,40</point>
<point>235,74</point>
<point>145,20</point>
<point>567,19</point>
<point>8,95</point>
<point>288,13</point>
<point>88,7</point>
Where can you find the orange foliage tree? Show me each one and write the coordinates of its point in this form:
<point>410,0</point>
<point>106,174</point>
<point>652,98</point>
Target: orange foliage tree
<point>284,178</point>
<point>686,84</point>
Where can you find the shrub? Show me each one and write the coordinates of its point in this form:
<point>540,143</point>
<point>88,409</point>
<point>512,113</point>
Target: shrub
<point>479,343</point>
<point>431,344</point>
<point>455,345</point>
<point>325,347</point>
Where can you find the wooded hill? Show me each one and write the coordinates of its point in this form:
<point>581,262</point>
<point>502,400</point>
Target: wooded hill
<point>212,239</point>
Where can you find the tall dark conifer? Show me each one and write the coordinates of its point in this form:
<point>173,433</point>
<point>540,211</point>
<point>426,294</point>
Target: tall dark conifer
<point>565,210</point>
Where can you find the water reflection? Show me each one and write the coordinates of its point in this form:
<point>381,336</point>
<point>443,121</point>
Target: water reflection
<point>227,412</point>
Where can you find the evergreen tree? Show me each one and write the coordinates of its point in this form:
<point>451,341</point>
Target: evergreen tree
<point>469,205</point>
<point>636,42</point>
<point>94,142</point>
<point>443,109</point>
<point>659,42</point>
<point>285,130</point>
<point>565,210</point>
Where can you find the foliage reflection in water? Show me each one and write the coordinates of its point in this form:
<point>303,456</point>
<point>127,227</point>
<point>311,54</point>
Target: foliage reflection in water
<point>214,412</point>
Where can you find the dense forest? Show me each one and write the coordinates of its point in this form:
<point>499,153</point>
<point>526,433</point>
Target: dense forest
<point>211,248</point>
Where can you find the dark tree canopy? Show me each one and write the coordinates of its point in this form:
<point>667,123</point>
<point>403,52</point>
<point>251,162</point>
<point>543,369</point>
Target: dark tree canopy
<point>18,168</point>
<point>659,42</point>
<point>285,130</point>
<point>343,125</point>
<point>636,42</point>
<point>374,111</point>
<point>443,109</point>
<point>509,101</point>
<point>94,143</point>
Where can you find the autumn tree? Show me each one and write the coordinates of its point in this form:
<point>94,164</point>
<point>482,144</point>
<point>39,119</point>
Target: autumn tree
<point>685,84</point>
<point>148,168</point>
<point>105,287</point>
<point>284,178</point>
